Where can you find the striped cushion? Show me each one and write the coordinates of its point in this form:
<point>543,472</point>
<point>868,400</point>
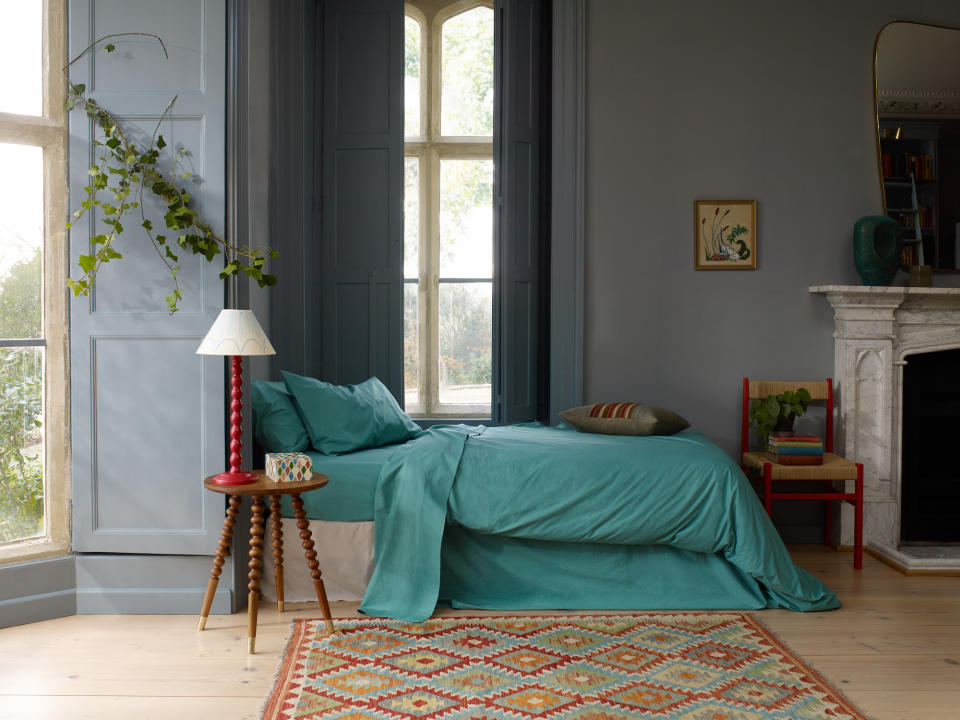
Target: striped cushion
<point>613,410</point>
<point>624,419</point>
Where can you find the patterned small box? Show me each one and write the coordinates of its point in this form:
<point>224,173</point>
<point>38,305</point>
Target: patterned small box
<point>288,467</point>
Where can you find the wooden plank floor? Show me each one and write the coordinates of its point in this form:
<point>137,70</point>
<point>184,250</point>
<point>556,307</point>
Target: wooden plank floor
<point>893,649</point>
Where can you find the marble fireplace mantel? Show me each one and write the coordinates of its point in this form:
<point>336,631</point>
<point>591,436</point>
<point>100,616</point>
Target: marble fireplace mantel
<point>876,330</point>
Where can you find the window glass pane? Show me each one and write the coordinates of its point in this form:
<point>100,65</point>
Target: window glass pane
<point>21,240</point>
<point>466,218</point>
<point>411,217</point>
<point>466,341</point>
<point>21,443</point>
<point>21,57</point>
<point>411,345</point>
<point>411,77</point>
<point>467,74</point>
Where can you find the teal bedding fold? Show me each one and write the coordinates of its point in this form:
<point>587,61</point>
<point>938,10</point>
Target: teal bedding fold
<point>558,486</point>
<point>410,515</point>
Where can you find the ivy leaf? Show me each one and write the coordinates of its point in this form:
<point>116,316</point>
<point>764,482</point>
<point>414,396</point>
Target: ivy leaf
<point>79,287</point>
<point>87,263</point>
<point>79,88</point>
<point>110,47</point>
<point>98,240</point>
<point>147,224</point>
<point>161,143</point>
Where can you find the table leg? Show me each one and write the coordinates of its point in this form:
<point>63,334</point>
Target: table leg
<point>311,556</point>
<point>225,535</point>
<point>256,545</point>
<point>276,525</point>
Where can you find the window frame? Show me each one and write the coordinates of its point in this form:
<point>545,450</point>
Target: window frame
<point>429,148</point>
<point>49,132</point>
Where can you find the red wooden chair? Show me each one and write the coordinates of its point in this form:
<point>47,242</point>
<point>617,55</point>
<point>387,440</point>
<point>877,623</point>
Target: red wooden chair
<point>834,469</point>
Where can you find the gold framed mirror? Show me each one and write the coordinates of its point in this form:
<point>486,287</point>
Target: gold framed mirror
<point>916,75</point>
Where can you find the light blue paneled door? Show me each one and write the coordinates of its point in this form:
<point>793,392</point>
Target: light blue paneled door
<point>148,413</point>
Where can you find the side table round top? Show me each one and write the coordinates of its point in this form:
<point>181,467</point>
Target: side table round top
<point>266,486</point>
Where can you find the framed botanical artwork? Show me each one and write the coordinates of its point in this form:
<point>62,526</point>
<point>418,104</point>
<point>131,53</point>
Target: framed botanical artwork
<point>725,234</point>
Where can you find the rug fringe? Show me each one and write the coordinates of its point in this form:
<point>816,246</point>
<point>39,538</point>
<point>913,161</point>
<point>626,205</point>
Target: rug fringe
<point>848,704</point>
<point>280,665</point>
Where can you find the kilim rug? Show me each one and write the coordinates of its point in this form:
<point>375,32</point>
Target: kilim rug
<point>689,666</point>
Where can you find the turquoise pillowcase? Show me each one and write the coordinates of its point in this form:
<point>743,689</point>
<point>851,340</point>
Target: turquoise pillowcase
<point>342,418</point>
<point>277,426</point>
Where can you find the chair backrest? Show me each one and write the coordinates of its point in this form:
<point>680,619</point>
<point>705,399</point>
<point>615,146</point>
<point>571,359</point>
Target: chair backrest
<point>818,389</point>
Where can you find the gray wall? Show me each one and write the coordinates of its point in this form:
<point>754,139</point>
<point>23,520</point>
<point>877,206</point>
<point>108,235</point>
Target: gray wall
<point>699,99</point>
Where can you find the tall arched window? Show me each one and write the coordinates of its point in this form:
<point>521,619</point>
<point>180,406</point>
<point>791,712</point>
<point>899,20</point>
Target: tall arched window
<point>448,209</point>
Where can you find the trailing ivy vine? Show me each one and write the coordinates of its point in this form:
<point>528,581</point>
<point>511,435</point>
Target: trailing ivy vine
<point>121,172</point>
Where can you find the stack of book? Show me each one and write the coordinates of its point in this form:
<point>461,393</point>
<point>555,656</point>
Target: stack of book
<point>797,449</point>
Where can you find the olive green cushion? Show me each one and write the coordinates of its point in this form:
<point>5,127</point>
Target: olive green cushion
<point>624,419</point>
<point>277,426</point>
<point>343,418</point>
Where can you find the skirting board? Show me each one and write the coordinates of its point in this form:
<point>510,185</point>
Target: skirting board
<point>39,590</point>
<point>149,584</point>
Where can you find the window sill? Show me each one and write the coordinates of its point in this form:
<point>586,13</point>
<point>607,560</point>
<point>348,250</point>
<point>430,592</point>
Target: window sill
<point>39,548</point>
<point>426,422</point>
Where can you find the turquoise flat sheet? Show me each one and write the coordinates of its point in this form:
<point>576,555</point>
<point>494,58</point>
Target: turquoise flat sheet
<point>557,485</point>
<point>349,495</point>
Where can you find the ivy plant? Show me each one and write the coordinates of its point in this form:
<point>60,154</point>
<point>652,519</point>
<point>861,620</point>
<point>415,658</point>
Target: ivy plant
<point>766,412</point>
<point>120,174</point>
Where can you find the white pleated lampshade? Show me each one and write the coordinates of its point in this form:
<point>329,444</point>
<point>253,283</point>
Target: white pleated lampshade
<point>236,332</point>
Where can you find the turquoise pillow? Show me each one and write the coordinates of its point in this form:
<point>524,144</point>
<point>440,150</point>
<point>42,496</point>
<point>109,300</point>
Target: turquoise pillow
<point>277,426</point>
<point>341,418</point>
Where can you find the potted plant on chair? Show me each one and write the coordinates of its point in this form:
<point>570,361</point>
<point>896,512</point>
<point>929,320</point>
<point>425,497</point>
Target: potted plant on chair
<point>775,414</point>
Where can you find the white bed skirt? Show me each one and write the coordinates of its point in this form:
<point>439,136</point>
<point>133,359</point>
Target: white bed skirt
<point>344,551</point>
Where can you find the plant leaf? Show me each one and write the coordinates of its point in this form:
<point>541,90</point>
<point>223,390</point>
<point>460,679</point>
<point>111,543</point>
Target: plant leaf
<point>87,263</point>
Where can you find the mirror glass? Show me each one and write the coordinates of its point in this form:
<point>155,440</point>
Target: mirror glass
<point>917,75</point>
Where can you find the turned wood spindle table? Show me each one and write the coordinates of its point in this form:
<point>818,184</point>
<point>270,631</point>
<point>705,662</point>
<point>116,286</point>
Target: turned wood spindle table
<point>264,487</point>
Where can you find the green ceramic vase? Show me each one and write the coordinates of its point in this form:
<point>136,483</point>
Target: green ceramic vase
<point>876,249</point>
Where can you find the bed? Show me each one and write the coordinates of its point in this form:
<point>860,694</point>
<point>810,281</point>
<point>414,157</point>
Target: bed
<point>537,517</point>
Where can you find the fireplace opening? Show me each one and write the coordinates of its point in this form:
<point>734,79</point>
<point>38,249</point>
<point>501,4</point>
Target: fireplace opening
<point>930,458</point>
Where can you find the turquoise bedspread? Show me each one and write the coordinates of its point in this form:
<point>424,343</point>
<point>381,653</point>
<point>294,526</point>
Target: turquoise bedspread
<point>552,484</point>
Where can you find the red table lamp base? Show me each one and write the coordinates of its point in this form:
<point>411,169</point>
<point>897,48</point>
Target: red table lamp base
<point>235,476</point>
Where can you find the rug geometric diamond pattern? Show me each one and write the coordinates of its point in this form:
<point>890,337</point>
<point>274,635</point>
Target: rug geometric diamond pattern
<point>475,682</point>
<point>526,660</point>
<point>648,666</point>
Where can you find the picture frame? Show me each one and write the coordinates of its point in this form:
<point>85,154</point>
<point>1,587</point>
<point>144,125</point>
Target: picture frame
<point>725,234</point>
